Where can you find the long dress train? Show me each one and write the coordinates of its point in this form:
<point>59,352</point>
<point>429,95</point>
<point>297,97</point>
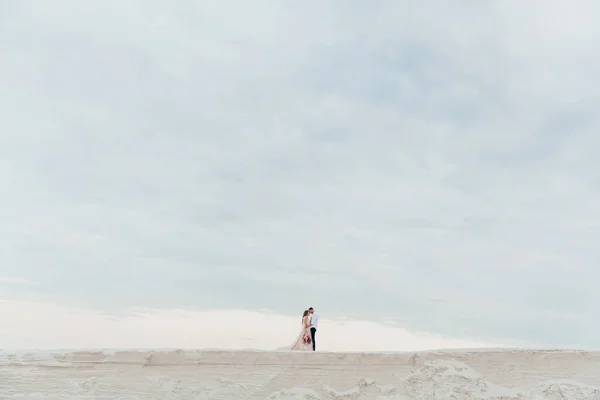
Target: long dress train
<point>303,342</point>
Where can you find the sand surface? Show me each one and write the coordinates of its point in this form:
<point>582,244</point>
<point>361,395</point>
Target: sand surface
<point>215,374</point>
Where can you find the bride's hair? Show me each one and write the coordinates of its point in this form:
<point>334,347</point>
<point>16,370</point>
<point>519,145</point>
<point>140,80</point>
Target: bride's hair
<point>305,313</point>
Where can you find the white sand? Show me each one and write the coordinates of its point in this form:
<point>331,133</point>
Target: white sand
<point>230,375</point>
<point>26,324</point>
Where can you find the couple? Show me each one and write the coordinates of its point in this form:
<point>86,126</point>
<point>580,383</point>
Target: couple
<point>306,339</point>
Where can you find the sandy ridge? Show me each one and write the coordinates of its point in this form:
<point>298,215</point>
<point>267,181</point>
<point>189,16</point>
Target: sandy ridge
<point>223,374</point>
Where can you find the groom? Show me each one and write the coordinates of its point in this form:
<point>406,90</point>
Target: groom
<point>314,323</point>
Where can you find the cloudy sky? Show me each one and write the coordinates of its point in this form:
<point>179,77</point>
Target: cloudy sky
<point>429,165</point>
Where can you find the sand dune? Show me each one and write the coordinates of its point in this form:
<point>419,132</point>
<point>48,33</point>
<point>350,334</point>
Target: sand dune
<point>220,374</point>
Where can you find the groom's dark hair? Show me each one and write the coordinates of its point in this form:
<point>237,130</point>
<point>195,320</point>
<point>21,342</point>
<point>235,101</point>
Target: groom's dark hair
<point>310,308</point>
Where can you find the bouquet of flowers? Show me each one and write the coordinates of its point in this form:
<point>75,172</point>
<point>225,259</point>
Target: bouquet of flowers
<point>306,339</point>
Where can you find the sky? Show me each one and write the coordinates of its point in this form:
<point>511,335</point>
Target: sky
<point>423,172</point>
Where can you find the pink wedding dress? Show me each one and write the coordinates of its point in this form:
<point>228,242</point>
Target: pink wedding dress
<point>303,342</point>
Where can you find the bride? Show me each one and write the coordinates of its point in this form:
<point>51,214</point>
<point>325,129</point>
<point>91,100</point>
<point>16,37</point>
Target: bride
<point>303,342</point>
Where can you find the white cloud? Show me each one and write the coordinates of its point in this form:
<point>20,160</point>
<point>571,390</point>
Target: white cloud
<point>364,159</point>
<point>14,280</point>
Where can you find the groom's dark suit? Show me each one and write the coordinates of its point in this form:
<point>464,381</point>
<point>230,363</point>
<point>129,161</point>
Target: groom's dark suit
<point>314,323</point>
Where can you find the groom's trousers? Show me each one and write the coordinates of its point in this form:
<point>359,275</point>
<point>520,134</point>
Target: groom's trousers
<point>313,332</point>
